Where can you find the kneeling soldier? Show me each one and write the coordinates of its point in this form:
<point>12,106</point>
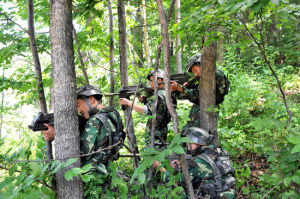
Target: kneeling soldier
<point>210,169</point>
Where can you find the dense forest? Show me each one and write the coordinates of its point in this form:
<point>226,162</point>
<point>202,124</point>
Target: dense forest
<point>47,49</point>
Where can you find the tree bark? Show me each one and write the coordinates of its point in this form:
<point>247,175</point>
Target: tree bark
<point>80,58</point>
<point>111,54</point>
<point>37,67</point>
<point>207,91</point>
<point>178,40</point>
<point>65,106</point>
<point>146,46</point>
<point>124,78</point>
<point>221,49</point>
<point>2,107</point>
<point>164,26</point>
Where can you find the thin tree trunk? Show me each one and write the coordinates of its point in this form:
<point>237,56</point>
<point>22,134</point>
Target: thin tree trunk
<point>37,67</point>
<point>2,106</point>
<point>80,58</point>
<point>221,49</point>
<point>111,54</point>
<point>178,40</point>
<point>65,106</point>
<point>124,78</point>
<point>139,38</point>
<point>164,25</point>
<point>207,91</point>
<point>146,46</point>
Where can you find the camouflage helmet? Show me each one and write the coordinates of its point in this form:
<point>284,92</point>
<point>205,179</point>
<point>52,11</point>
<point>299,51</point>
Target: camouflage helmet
<point>198,136</point>
<point>194,59</point>
<point>88,90</point>
<point>160,74</point>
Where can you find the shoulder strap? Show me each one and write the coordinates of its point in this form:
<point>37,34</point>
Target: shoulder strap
<point>103,118</point>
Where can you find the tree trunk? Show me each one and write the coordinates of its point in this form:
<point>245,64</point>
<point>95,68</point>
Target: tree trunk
<point>178,40</point>
<point>221,49</point>
<point>1,108</point>
<point>138,42</point>
<point>207,91</point>
<point>111,54</point>
<point>124,77</point>
<point>146,46</point>
<point>80,58</point>
<point>65,106</point>
<point>164,26</point>
<point>37,67</point>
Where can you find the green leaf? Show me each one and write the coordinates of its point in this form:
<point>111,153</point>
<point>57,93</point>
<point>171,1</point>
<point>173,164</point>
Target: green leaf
<point>256,7</point>
<point>245,191</point>
<point>142,178</point>
<point>71,161</point>
<point>296,179</point>
<point>287,181</point>
<point>86,168</point>
<point>278,26</point>
<point>46,190</point>
<point>36,169</point>
<point>12,170</point>
<point>72,173</point>
<point>178,149</point>
<point>296,149</point>
<point>294,140</point>
<point>86,177</point>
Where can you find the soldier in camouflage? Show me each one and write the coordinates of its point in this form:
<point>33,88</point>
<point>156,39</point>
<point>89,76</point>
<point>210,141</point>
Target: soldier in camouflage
<point>191,92</point>
<point>163,116</point>
<point>210,169</point>
<point>101,124</point>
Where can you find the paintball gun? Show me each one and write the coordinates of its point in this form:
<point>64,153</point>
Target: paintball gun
<point>181,78</point>
<point>174,156</point>
<point>127,91</point>
<point>41,118</point>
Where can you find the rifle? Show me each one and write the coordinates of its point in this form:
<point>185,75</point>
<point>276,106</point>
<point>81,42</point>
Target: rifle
<point>41,118</point>
<point>174,156</point>
<point>181,78</point>
<point>127,91</point>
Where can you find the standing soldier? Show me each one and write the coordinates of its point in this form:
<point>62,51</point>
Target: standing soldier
<point>103,128</point>
<point>210,168</point>
<point>190,90</point>
<point>163,116</point>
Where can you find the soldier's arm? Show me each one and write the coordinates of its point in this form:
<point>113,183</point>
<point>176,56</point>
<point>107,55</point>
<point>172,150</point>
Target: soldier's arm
<point>137,108</point>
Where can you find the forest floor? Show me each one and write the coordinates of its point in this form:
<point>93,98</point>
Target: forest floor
<point>258,166</point>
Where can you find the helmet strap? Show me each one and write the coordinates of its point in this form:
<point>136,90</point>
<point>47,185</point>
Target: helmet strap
<point>93,110</point>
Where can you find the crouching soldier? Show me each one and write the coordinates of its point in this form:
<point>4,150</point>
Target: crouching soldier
<point>210,169</point>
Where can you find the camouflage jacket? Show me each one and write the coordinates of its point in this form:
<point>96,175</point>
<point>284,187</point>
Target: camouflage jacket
<point>163,117</point>
<point>193,96</point>
<point>95,137</point>
<point>204,177</point>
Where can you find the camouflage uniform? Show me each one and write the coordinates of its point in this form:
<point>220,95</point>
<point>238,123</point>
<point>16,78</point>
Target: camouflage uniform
<point>193,96</point>
<point>96,136</point>
<point>204,179</point>
<point>163,117</point>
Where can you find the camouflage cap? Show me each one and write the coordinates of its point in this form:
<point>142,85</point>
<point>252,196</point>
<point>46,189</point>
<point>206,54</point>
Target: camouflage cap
<point>88,90</point>
<point>198,135</point>
<point>194,59</point>
<point>160,74</point>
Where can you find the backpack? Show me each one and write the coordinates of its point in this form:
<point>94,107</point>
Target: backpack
<point>222,86</point>
<point>223,172</point>
<point>115,137</point>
